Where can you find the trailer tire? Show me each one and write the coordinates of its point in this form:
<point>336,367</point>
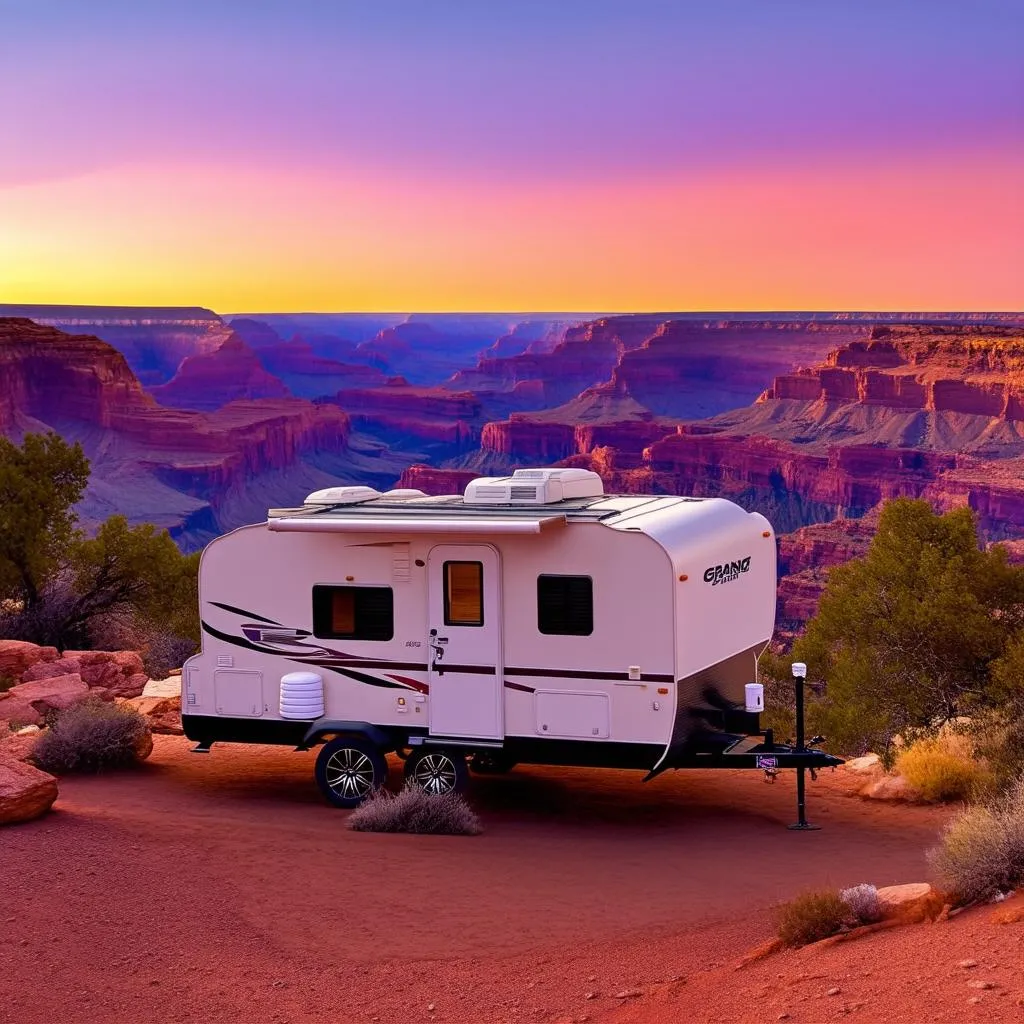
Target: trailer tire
<point>349,769</point>
<point>437,771</point>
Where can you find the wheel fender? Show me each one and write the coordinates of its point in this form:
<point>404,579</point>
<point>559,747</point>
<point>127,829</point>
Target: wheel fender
<point>322,727</point>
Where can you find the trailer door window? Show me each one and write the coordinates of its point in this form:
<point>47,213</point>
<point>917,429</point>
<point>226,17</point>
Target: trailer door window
<point>463,593</point>
<point>565,605</point>
<point>353,613</point>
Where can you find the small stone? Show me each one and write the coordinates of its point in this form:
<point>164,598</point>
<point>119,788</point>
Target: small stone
<point>430,1007</point>
<point>981,984</point>
<point>629,993</point>
<point>833,991</point>
<point>590,995</point>
<point>974,1000</point>
<point>783,1016</point>
<point>968,963</point>
<point>593,977</point>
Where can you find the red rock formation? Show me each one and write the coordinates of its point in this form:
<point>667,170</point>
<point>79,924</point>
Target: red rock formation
<point>437,481</point>
<point>211,380</point>
<point>313,376</point>
<point>83,388</point>
<point>400,410</point>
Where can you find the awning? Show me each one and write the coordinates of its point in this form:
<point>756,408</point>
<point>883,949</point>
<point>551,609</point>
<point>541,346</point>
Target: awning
<point>424,524</point>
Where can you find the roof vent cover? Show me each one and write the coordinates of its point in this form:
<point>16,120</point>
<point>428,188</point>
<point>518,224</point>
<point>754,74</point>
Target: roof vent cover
<point>341,496</point>
<point>534,487</point>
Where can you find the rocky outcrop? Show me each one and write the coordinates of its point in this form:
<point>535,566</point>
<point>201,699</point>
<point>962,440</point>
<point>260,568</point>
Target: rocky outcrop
<point>210,380</point>
<point>26,792</point>
<point>176,468</point>
<point>310,375</point>
<point>406,414</point>
<point>153,339</point>
<point>48,683</point>
<point>437,481</point>
<point>163,714</point>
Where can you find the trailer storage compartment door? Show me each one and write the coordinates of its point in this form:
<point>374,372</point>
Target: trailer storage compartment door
<point>575,714</point>
<point>239,693</point>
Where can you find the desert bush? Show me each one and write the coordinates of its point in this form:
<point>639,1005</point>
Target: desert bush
<point>90,737</point>
<point>862,901</point>
<point>981,852</point>
<point>999,742</point>
<point>812,916</point>
<point>7,681</point>
<point>944,768</point>
<point>415,810</point>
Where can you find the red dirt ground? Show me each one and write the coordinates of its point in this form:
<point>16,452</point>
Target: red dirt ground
<point>210,888</point>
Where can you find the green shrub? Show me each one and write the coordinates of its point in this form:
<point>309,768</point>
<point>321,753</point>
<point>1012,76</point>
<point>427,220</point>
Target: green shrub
<point>944,768</point>
<point>90,737</point>
<point>812,916</point>
<point>415,810</point>
<point>981,852</point>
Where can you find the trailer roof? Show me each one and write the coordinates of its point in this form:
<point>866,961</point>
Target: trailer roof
<point>610,509</point>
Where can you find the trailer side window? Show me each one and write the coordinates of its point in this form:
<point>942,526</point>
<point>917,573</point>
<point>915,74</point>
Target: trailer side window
<point>353,613</point>
<point>463,593</point>
<point>565,605</point>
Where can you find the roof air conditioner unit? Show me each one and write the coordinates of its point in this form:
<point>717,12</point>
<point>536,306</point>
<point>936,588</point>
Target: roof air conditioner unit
<point>342,496</point>
<point>403,493</point>
<point>534,487</point>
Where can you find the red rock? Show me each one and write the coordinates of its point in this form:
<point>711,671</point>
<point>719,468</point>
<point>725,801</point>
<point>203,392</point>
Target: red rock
<point>50,670</point>
<point>18,656</point>
<point>25,791</point>
<point>162,713</point>
<point>912,902</point>
<point>210,380</point>
<point>437,481</point>
<point>29,703</point>
<point>83,384</point>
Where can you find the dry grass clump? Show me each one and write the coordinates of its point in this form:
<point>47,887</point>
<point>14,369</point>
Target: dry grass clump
<point>944,768</point>
<point>812,916</point>
<point>862,901</point>
<point>415,810</point>
<point>981,852</point>
<point>90,737</point>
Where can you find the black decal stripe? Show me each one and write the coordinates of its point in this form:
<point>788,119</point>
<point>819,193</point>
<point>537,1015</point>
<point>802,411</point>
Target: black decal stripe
<point>520,686</point>
<point>480,670</point>
<point>242,611</point>
<point>558,673</point>
<point>403,666</point>
<point>321,663</point>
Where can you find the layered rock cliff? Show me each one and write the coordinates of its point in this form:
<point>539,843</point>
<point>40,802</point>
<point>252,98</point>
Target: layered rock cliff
<point>180,469</point>
<point>211,380</point>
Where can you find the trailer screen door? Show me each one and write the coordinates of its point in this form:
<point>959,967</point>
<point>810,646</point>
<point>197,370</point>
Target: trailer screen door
<point>464,641</point>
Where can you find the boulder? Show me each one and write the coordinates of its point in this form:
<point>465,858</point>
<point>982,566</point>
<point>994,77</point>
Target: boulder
<point>51,669</point>
<point>869,764</point>
<point>144,745</point>
<point>18,656</point>
<point>891,787</point>
<point>29,703</point>
<point>912,902</point>
<point>119,673</point>
<point>162,713</point>
<point>25,791</point>
<point>18,745</point>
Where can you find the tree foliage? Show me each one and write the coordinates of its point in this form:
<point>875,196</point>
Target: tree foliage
<point>64,587</point>
<point>907,637</point>
<point>40,483</point>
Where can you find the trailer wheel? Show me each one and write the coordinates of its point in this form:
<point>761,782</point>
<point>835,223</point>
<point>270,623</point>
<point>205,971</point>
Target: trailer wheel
<point>437,771</point>
<point>348,769</point>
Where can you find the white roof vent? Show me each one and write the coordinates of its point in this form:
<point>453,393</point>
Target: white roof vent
<point>342,496</point>
<point>403,493</point>
<point>534,487</point>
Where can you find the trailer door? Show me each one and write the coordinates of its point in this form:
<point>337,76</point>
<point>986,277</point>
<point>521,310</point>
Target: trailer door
<point>464,642</point>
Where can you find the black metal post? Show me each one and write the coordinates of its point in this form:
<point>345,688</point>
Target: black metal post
<point>802,824</point>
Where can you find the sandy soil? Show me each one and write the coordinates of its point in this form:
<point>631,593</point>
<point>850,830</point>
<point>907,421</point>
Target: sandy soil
<point>220,888</point>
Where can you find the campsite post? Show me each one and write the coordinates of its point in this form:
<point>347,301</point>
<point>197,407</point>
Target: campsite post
<point>799,675</point>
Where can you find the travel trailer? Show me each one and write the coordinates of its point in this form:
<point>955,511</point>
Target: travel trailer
<point>532,619</point>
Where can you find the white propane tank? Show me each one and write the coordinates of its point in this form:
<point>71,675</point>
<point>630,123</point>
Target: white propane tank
<point>755,697</point>
<point>302,696</point>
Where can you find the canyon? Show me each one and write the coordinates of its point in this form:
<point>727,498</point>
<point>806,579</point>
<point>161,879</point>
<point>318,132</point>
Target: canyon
<point>199,423</point>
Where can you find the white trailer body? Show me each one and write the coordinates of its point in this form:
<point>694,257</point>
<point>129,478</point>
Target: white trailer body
<point>512,624</point>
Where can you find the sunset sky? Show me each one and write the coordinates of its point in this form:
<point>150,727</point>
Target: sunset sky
<point>516,155</point>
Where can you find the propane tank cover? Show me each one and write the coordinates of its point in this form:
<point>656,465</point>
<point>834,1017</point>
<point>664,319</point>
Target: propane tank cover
<point>754,693</point>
